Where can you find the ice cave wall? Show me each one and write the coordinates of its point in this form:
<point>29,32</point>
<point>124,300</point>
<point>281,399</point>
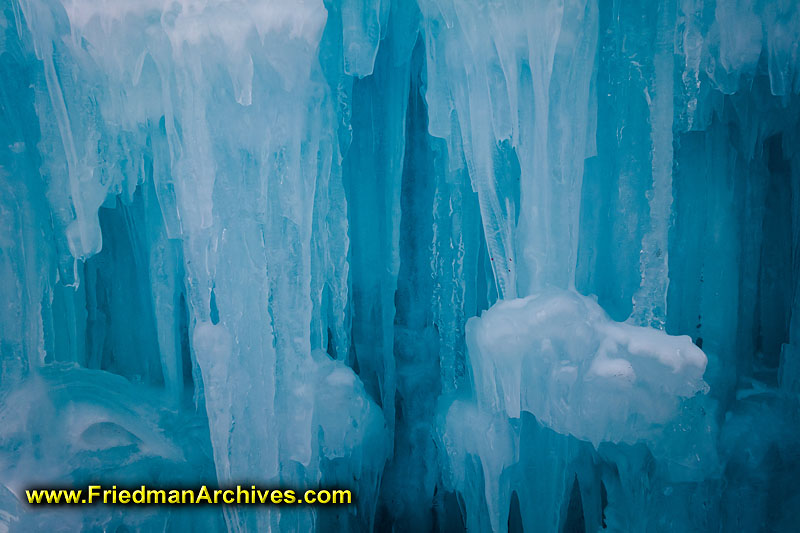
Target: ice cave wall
<point>496,265</point>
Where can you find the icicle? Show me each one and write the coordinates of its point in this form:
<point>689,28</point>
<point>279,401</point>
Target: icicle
<point>650,301</point>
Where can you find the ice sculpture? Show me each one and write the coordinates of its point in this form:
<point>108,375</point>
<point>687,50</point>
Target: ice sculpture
<point>503,265</point>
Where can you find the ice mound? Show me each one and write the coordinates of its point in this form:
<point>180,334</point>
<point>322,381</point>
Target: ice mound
<point>346,415</point>
<point>352,436</point>
<point>66,424</point>
<point>69,426</point>
<point>560,357</point>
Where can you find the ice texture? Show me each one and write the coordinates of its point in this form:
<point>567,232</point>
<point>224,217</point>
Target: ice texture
<point>502,265</point>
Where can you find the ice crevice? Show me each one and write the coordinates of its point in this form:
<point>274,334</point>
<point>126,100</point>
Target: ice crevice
<point>527,262</point>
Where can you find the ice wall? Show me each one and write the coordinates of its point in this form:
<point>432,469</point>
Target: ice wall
<point>508,265</point>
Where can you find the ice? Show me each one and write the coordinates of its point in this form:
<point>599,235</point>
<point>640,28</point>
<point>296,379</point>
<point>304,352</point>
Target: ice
<point>502,265</point>
<point>353,437</point>
<point>496,448</point>
<point>9,510</point>
<point>558,356</point>
<point>70,425</point>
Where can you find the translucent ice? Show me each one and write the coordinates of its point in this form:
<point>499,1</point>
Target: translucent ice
<point>502,264</point>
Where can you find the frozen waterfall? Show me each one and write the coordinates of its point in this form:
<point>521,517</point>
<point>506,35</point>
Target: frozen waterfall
<point>494,265</point>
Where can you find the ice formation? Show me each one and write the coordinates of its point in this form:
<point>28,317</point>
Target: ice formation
<point>499,265</point>
<point>559,357</point>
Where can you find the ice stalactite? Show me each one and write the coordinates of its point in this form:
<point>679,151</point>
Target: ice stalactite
<point>459,98</point>
<point>234,200</point>
<point>650,300</point>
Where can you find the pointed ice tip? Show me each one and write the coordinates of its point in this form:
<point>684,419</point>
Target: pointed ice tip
<point>359,59</point>
<point>84,238</point>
